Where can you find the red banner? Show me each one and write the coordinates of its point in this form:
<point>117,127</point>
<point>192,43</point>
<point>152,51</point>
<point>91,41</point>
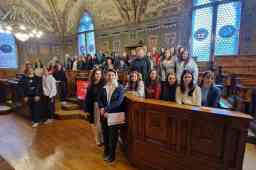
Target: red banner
<point>81,86</point>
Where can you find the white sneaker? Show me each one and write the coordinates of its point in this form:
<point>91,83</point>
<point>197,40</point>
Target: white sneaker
<point>63,103</point>
<point>48,121</point>
<point>34,125</point>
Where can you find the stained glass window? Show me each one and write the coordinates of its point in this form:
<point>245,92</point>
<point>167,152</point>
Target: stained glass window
<point>201,2</point>
<point>86,40</point>
<point>226,25</point>
<point>8,52</point>
<point>227,28</point>
<point>201,33</point>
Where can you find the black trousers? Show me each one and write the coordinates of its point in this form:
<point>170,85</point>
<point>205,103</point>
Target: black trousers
<point>50,106</point>
<point>110,137</point>
<point>63,90</point>
<point>34,108</point>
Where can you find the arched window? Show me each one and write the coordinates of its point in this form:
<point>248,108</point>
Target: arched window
<point>215,28</point>
<point>8,53</point>
<point>86,40</point>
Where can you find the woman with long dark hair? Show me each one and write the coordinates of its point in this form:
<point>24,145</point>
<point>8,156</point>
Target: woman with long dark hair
<point>210,93</point>
<point>186,62</point>
<point>153,85</point>
<point>135,84</point>
<point>167,64</point>
<point>188,92</point>
<point>91,102</point>
<point>168,91</point>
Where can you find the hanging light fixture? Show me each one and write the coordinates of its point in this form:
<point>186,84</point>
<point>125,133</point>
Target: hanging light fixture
<point>22,36</point>
<point>21,32</point>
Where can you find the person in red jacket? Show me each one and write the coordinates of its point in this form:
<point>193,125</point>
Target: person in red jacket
<point>153,85</point>
<point>156,56</point>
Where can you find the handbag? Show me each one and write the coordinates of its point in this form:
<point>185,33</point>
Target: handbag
<point>116,118</point>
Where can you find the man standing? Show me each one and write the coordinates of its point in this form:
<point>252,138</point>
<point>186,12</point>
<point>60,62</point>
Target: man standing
<point>141,63</point>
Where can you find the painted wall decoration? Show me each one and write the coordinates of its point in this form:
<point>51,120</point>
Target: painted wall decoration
<point>152,41</point>
<point>170,39</point>
<point>117,46</point>
<point>105,46</point>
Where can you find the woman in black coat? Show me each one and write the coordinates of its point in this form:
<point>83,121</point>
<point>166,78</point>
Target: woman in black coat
<point>168,92</point>
<point>91,102</point>
<point>210,93</point>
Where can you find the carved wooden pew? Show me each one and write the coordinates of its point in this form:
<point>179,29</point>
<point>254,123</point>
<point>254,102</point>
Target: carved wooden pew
<point>165,135</point>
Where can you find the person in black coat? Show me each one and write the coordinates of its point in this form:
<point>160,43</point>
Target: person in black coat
<point>110,101</point>
<point>141,64</point>
<point>168,92</point>
<point>60,75</point>
<point>96,83</point>
<point>32,91</point>
<point>210,93</point>
<point>91,103</point>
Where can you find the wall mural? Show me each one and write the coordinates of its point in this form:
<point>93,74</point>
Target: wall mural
<point>63,16</point>
<point>152,41</point>
<point>170,39</point>
<point>117,46</point>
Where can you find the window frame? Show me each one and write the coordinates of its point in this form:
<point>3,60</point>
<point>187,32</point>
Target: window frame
<point>85,32</point>
<point>215,5</point>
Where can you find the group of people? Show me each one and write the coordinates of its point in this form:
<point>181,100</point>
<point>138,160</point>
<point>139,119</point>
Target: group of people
<point>38,87</point>
<point>172,77</point>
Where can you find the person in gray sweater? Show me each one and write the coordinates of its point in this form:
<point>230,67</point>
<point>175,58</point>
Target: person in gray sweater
<point>186,62</point>
<point>167,64</point>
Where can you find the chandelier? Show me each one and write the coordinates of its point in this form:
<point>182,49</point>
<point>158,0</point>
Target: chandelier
<point>21,32</point>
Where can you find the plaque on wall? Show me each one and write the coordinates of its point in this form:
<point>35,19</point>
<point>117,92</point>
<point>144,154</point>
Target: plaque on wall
<point>152,41</point>
<point>170,39</point>
<point>105,46</point>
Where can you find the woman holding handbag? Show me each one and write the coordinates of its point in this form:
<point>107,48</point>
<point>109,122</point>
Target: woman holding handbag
<point>110,101</point>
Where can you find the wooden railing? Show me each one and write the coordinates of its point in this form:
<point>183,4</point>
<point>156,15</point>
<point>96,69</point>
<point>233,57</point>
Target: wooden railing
<point>165,135</point>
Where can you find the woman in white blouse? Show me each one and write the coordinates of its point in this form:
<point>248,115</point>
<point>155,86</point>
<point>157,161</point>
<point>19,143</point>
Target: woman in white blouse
<point>188,92</point>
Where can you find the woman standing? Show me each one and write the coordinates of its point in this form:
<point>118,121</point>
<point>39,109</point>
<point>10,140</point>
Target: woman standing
<point>168,92</point>
<point>50,91</point>
<point>91,102</point>
<point>153,85</point>
<point>210,93</point>
<point>38,68</point>
<point>168,63</point>
<point>109,64</point>
<point>135,84</point>
<point>110,100</point>
<point>186,62</point>
<point>32,92</point>
<point>187,92</point>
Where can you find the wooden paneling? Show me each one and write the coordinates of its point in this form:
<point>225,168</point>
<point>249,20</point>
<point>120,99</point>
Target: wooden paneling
<point>164,135</point>
<point>7,73</point>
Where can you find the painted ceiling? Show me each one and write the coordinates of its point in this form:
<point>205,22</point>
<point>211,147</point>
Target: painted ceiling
<point>62,16</point>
